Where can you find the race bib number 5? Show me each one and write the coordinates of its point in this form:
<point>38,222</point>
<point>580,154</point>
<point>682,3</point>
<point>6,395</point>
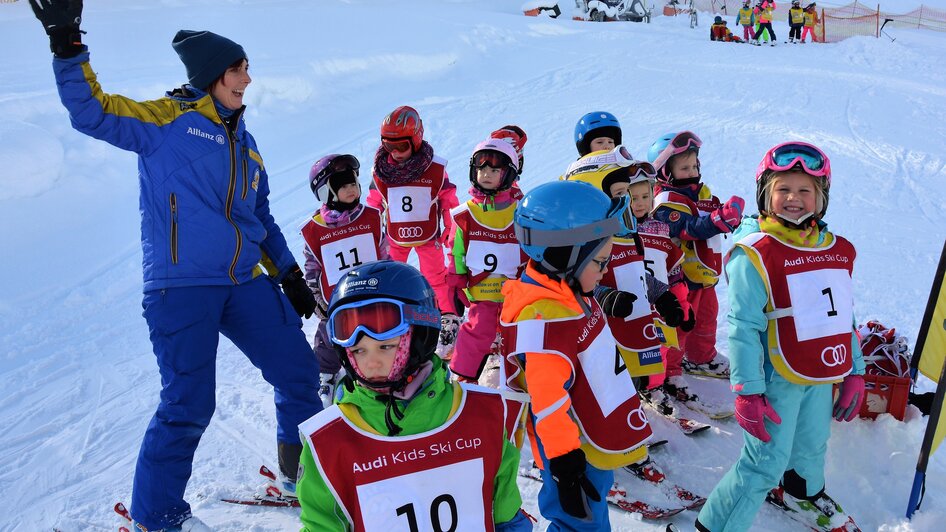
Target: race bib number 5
<point>426,500</point>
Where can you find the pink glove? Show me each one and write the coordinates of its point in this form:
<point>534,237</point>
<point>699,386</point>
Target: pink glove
<point>728,217</point>
<point>689,319</point>
<point>751,411</point>
<point>849,400</point>
<point>457,282</point>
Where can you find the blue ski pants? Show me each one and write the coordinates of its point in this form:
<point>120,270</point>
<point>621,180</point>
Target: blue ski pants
<point>598,518</point>
<point>799,443</point>
<point>185,324</point>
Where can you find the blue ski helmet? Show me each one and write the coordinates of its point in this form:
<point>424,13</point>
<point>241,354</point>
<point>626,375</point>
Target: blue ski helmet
<point>562,225</point>
<point>594,125</point>
<point>667,146</point>
<point>387,280</point>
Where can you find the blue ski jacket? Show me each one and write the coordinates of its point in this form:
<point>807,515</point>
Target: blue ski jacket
<point>204,191</point>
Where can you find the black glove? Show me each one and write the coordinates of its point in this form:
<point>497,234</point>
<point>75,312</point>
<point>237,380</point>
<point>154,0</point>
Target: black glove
<point>688,324</point>
<point>61,20</point>
<point>568,471</point>
<point>617,303</point>
<point>668,306</point>
<point>295,288</point>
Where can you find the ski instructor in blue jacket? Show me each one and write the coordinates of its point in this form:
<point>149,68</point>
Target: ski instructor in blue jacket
<point>205,229</point>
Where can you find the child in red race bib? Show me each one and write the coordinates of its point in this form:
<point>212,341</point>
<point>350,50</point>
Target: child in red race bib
<point>389,453</point>
<point>484,252</point>
<point>342,234</point>
<point>410,186</point>
<point>697,220</point>
<point>585,419</point>
<point>791,337</point>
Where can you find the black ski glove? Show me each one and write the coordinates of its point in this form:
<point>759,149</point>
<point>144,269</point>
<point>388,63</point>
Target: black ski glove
<point>688,324</point>
<point>616,303</point>
<point>668,306</point>
<point>61,19</point>
<point>568,471</point>
<point>295,288</point>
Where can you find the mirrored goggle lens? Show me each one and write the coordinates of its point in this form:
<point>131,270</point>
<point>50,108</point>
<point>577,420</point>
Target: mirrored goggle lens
<point>786,156</point>
<point>396,145</point>
<point>640,168</point>
<point>625,153</point>
<point>376,318</point>
<point>686,140</point>
<point>344,163</point>
<point>490,158</point>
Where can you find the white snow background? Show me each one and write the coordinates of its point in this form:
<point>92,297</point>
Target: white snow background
<point>79,380</point>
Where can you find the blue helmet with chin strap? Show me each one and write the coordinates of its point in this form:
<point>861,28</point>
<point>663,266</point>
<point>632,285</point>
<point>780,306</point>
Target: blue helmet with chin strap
<point>594,125</point>
<point>562,225</point>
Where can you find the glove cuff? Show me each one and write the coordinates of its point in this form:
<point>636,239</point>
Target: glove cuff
<point>66,42</point>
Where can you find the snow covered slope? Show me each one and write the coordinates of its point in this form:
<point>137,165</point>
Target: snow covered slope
<point>79,382</point>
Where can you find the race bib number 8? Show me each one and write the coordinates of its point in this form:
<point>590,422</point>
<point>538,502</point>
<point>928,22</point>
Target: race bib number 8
<point>493,258</point>
<point>409,204</point>
<point>426,500</point>
<point>822,303</point>
<point>347,253</point>
<point>612,387</point>
<point>630,278</point>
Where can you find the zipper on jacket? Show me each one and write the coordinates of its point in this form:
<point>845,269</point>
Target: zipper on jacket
<point>230,126</point>
<point>245,185</point>
<point>173,201</point>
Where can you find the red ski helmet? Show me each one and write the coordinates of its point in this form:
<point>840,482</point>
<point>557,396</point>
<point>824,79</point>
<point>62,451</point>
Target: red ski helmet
<point>403,123</point>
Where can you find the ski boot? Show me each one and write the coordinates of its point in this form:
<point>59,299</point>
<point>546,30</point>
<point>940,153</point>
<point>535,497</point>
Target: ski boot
<point>676,387</point>
<point>327,382</point>
<point>658,400</point>
<point>277,487</point>
<point>717,368</point>
<point>449,327</point>
<point>818,512</point>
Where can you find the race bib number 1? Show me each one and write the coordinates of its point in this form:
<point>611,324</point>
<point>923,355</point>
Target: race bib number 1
<point>822,303</point>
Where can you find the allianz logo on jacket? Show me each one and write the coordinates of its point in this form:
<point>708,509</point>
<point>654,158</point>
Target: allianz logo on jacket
<point>198,133</point>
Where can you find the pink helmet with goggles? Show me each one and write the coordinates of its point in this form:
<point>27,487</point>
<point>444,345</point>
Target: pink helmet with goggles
<point>788,156</point>
<point>669,145</point>
<point>496,153</point>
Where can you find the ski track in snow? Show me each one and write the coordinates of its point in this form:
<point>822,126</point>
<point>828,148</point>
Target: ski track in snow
<point>79,377</point>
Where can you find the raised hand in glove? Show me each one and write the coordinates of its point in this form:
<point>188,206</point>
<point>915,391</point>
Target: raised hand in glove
<point>668,306</point>
<point>568,472</point>
<point>616,303</point>
<point>728,217</point>
<point>61,19</point>
<point>296,289</point>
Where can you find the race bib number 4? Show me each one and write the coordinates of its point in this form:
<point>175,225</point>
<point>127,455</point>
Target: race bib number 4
<point>347,253</point>
<point>822,303</point>
<point>493,258</point>
<point>609,382</point>
<point>409,204</point>
<point>439,499</point>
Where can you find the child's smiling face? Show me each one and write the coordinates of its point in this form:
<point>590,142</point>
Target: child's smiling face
<point>794,194</point>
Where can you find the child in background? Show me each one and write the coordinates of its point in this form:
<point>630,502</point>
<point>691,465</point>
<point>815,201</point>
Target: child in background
<point>811,20</point>
<point>585,419</point>
<point>791,335</point>
<point>719,31</point>
<point>763,14</point>
<point>342,234</point>
<point>796,20</point>
<point>597,131</point>
<point>485,252</point>
<point>697,220</point>
<point>410,186</point>
<point>398,401</point>
<point>747,19</point>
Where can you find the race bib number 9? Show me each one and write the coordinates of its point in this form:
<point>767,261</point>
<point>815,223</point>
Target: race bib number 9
<point>439,499</point>
<point>630,278</point>
<point>347,253</point>
<point>822,303</point>
<point>409,204</point>
<point>502,259</point>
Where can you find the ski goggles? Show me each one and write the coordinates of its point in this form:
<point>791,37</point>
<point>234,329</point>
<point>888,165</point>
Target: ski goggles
<point>381,319</point>
<point>788,155</point>
<point>492,159</point>
<point>684,141</point>
<point>325,168</point>
<point>641,171</point>
<point>396,146</point>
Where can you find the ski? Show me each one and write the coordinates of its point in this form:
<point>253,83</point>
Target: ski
<point>272,496</point>
<point>650,473</point>
<point>618,498</point>
<point>774,498</point>
<point>122,511</point>
<point>687,426</point>
<point>656,444</point>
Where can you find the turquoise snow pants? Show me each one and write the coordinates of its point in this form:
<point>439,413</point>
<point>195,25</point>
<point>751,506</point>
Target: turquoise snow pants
<point>799,443</point>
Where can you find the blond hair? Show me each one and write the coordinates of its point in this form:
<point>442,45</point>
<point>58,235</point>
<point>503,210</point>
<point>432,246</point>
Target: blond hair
<point>771,177</point>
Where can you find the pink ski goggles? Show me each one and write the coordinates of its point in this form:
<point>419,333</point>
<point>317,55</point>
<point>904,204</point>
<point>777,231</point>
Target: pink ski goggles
<point>684,141</point>
<point>788,155</point>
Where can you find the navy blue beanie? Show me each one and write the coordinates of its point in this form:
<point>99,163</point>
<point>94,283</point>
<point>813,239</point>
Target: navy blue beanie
<point>205,55</point>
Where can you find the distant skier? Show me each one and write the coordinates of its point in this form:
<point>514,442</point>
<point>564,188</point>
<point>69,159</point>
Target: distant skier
<point>404,448</point>
<point>791,336</point>
<point>796,21</point>
<point>342,234</point>
<point>746,19</point>
<point>206,226</point>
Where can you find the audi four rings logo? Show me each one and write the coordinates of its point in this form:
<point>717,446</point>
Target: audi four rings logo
<point>409,232</point>
<point>834,356</point>
<point>636,419</point>
<point>650,331</point>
